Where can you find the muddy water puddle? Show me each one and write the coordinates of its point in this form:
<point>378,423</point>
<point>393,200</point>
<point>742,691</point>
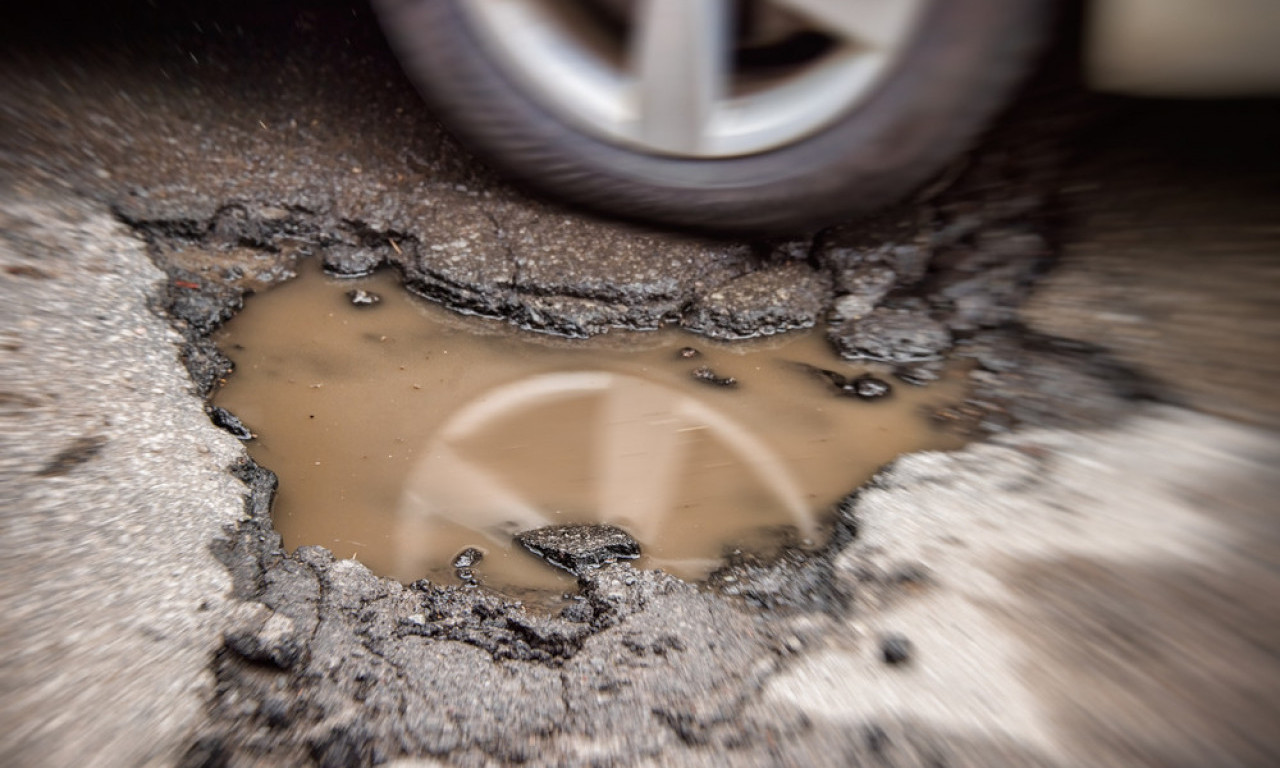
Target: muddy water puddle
<point>403,434</point>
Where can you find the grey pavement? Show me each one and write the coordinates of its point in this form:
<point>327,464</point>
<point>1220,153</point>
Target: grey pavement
<point>114,484</point>
<point>1087,598</point>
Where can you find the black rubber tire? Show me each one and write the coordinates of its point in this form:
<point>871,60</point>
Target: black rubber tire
<point>960,69</point>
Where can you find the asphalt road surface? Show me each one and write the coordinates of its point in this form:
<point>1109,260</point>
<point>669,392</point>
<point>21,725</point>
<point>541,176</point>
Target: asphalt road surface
<point>1094,581</point>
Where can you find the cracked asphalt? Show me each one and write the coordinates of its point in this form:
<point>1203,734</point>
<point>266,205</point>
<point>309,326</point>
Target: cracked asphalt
<point>1093,582</point>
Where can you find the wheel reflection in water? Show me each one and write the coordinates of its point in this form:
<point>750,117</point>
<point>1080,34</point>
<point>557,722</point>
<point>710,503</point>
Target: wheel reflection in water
<point>403,434</point>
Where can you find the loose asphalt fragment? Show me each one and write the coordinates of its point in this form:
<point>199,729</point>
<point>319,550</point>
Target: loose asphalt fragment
<point>708,375</point>
<point>362,298</point>
<point>578,547</point>
<point>229,421</point>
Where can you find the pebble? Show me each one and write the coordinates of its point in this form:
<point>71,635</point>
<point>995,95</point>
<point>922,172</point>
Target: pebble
<point>868,387</point>
<point>362,298</point>
<point>895,649</point>
<point>711,377</point>
<point>467,558</point>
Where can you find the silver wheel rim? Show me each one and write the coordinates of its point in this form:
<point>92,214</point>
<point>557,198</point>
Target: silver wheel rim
<point>674,82</point>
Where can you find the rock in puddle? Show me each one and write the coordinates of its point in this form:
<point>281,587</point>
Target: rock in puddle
<point>362,298</point>
<point>868,387</point>
<point>865,387</point>
<point>709,376</point>
<point>463,563</point>
<point>467,558</point>
<point>579,546</point>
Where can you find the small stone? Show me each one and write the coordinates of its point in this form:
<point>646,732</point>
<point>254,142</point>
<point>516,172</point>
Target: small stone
<point>910,575</point>
<point>580,546</point>
<point>706,374</point>
<point>688,352</point>
<point>868,387</point>
<point>467,558</point>
<point>895,649</point>
<point>362,298</point>
<point>228,421</point>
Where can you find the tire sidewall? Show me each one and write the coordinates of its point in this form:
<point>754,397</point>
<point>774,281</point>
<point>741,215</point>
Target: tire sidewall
<point>956,72</point>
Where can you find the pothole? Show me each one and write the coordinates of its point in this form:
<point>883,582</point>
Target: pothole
<point>405,435</point>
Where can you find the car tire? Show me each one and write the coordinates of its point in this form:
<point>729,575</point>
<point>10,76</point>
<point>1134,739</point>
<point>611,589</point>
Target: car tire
<point>960,66</point>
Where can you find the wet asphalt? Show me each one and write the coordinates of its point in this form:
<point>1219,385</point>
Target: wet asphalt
<point>1092,582</point>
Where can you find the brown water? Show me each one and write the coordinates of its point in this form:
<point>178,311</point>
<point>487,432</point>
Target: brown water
<point>403,434</point>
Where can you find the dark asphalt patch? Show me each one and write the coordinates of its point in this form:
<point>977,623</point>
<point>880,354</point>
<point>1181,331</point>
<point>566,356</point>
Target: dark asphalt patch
<point>80,451</point>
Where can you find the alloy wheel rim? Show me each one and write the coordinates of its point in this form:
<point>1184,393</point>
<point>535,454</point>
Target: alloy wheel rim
<point>674,77</point>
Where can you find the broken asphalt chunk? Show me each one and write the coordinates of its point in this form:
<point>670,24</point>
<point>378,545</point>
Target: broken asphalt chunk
<point>577,547</point>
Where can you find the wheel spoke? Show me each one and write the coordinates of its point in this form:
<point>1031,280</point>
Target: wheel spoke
<point>640,456</point>
<point>450,486</point>
<point>766,464</point>
<point>680,54</point>
<point>873,23</point>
